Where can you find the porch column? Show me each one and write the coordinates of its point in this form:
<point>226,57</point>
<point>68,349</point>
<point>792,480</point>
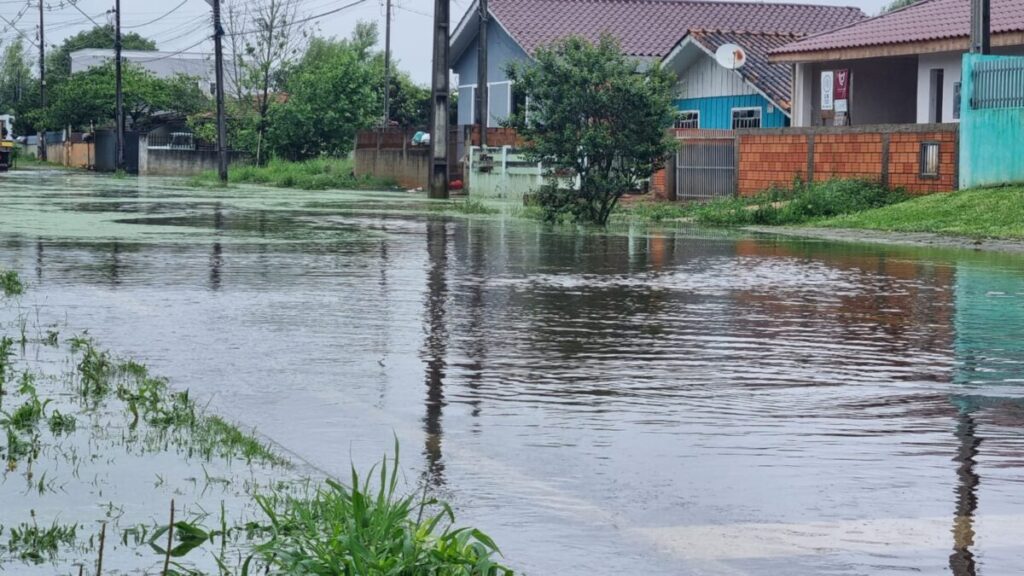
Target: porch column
<point>803,95</point>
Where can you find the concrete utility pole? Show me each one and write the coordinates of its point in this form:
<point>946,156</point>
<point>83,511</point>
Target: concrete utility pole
<point>981,29</point>
<point>439,111</point>
<point>222,131</point>
<point>118,88</point>
<point>387,66</point>
<point>42,78</point>
<point>482,93</point>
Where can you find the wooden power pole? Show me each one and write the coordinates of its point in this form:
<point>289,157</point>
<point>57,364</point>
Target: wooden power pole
<point>118,88</point>
<point>42,79</point>
<point>482,93</point>
<point>439,110</point>
<point>222,132</point>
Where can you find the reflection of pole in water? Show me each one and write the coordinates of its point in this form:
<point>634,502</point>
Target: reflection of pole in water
<point>39,259</point>
<point>216,258</point>
<point>435,348</point>
<point>961,562</point>
<point>114,269</point>
<point>477,351</point>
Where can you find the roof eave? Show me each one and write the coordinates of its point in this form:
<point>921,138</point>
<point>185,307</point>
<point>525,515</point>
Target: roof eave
<point>957,44</point>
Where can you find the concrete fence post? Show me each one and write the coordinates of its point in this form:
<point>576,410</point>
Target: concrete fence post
<point>886,137</point>
<point>810,157</point>
<point>143,154</point>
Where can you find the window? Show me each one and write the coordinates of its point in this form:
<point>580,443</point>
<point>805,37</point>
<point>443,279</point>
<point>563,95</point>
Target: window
<point>688,119</point>
<point>929,160</point>
<point>746,118</point>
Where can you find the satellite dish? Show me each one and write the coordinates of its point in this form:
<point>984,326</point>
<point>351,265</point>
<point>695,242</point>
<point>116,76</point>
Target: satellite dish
<point>731,56</point>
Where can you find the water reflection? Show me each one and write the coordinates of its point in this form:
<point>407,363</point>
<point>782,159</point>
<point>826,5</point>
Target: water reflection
<point>435,348</point>
<point>638,402</point>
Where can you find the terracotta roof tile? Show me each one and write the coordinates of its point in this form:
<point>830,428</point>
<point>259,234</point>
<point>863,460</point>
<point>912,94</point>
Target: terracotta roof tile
<point>923,21</point>
<point>651,28</point>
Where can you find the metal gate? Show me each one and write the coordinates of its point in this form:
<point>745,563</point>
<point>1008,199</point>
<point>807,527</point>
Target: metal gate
<point>705,164</point>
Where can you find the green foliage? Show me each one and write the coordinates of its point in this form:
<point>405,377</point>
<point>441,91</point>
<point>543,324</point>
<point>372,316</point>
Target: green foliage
<point>467,206</point>
<point>801,203</point>
<point>897,4</point>
<point>593,118</point>
<point>372,531</point>
<point>18,87</point>
<point>653,211</point>
<point>31,543</point>
<point>317,174</point>
<point>89,96</point>
<point>330,98</point>
<point>10,283</point>
<point>976,213</point>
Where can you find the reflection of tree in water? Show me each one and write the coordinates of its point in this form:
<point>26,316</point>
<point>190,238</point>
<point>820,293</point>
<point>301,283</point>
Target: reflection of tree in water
<point>435,348</point>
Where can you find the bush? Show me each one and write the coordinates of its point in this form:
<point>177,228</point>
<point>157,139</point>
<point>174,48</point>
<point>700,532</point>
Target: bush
<point>315,174</point>
<point>801,203</point>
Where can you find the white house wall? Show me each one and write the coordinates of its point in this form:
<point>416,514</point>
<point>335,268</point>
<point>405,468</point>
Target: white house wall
<point>706,78</point>
<point>949,63</point>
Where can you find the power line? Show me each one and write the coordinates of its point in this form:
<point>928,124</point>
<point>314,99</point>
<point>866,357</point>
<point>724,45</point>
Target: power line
<point>310,18</point>
<point>173,54</point>
<point>74,4</point>
<point>155,20</point>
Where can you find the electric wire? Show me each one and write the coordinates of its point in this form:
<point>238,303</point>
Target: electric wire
<point>155,20</point>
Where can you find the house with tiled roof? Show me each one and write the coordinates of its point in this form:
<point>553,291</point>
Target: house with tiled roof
<point>683,34</point>
<point>904,66</point>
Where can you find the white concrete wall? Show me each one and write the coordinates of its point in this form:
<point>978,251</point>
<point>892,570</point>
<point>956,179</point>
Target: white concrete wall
<point>161,64</point>
<point>706,78</point>
<point>949,63</point>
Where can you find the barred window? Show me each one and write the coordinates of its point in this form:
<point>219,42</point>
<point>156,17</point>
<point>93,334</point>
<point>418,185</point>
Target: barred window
<point>746,118</point>
<point>929,160</point>
<point>688,119</point>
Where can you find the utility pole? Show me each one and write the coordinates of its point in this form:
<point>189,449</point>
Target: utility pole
<point>439,111</point>
<point>118,88</point>
<point>387,67</point>
<point>42,79</point>
<point>222,132</point>
<point>482,95</point>
<point>981,29</point>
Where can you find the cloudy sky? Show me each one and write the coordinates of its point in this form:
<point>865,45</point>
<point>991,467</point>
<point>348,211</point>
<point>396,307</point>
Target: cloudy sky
<point>185,24</point>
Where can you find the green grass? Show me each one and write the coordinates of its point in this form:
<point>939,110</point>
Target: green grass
<point>979,213</point>
<point>652,211</point>
<point>317,174</point>
<point>467,206</point>
<point>11,284</point>
<point>802,203</point>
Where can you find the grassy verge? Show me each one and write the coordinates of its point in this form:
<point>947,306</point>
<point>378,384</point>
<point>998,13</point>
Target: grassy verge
<point>801,203</point>
<point>652,211</point>
<point>102,444</point>
<point>981,213</point>
<point>318,174</point>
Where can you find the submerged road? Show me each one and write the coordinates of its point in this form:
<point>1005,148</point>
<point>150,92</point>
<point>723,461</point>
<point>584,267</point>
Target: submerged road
<point>641,401</point>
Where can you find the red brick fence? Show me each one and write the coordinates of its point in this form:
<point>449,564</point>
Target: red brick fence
<point>921,158</point>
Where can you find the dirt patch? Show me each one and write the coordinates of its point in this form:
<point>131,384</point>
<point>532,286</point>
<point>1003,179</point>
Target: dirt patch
<point>898,238</point>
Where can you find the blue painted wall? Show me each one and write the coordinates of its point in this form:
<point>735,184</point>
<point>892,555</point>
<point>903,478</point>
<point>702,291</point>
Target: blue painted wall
<point>501,50</point>
<point>716,111</point>
<point>991,140</point>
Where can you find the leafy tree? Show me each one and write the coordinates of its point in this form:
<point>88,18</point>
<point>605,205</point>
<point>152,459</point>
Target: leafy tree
<point>89,97</point>
<point>597,123</point>
<point>897,4</point>
<point>331,96</point>
<point>16,79</point>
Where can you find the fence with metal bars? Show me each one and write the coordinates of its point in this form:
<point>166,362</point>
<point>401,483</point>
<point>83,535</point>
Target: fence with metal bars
<point>998,84</point>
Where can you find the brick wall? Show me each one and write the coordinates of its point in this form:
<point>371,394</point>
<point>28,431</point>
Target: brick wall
<point>889,154</point>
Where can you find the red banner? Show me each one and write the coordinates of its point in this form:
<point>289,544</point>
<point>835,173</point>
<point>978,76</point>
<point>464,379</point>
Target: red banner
<point>841,85</point>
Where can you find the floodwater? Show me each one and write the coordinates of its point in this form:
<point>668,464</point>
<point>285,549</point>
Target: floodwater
<point>642,401</point>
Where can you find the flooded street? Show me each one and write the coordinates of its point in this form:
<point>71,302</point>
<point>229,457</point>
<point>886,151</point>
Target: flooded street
<point>642,401</point>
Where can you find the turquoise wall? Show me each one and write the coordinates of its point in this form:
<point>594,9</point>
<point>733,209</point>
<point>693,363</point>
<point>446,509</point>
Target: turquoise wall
<point>716,111</point>
<point>991,140</point>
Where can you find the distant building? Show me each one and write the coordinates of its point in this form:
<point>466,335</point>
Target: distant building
<point>162,64</point>
<point>683,34</point>
<point>904,66</point>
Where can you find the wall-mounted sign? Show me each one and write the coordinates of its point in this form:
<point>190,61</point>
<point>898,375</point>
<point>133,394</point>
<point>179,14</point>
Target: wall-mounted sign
<point>842,85</point>
<point>827,89</point>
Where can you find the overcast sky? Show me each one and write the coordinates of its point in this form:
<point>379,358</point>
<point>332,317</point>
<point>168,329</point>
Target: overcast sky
<point>188,25</point>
